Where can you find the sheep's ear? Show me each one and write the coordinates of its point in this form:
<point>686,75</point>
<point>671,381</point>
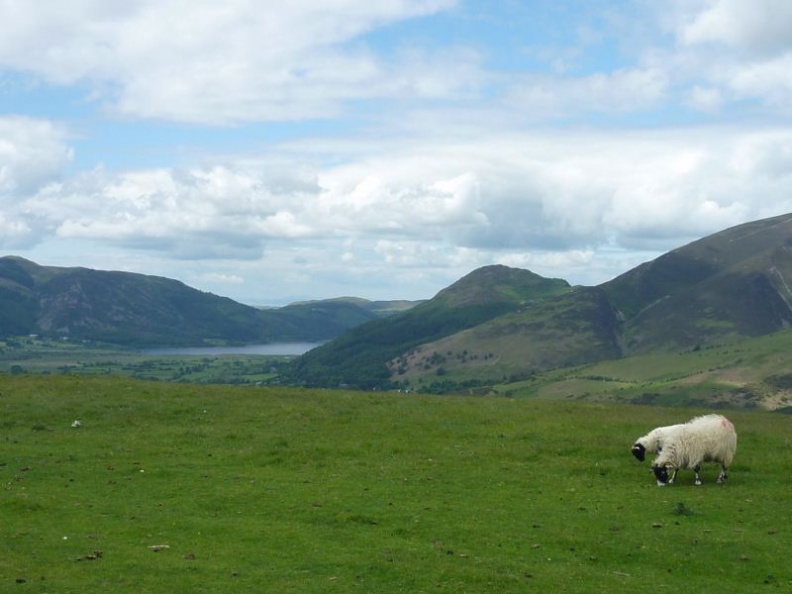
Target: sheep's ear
<point>639,451</point>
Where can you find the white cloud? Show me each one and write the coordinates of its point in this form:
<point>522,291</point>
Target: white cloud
<point>618,91</point>
<point>32,153</point>
<point>223,279</point>
<point>215,212</point>
<point>562,264</point>
<point>763,26</point>
<point>13,233</point>
<point>706,99</point>
<point>427,254</point>
<point>770,80</point>
<point>224,62</point>
<point>425,203</point>
<point>456,156</point>
<point>737,50</point>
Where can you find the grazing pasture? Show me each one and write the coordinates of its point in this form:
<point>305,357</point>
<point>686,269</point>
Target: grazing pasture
<point>181,488</point>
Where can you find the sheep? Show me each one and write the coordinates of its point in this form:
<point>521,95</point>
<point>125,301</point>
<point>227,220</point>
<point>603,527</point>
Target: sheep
<point>652,443</point>
<point>709,438</point>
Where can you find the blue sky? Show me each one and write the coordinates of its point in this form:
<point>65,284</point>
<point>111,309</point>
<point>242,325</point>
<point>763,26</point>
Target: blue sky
<point>272,152</point>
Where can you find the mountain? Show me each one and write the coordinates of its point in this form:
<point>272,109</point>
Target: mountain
<point>730,285</point>
<point>140,310</point>
<point>496,325</point>
<point>359,357</point>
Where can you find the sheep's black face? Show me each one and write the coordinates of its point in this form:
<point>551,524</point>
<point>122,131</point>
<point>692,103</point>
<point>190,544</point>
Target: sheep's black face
<point>661,474</point>
<point>639,451</point>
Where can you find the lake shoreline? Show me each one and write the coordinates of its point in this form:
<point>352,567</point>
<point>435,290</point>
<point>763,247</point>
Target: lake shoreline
<point>272,349</point>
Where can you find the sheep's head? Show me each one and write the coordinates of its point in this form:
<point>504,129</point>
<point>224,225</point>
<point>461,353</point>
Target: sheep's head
<point>661,474</point>
<point>639,451</point>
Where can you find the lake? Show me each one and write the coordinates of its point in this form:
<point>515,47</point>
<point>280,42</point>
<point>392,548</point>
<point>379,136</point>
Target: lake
<point>275,348</point>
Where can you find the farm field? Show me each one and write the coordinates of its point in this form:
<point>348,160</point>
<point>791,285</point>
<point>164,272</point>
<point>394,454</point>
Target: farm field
<point>170,487</point>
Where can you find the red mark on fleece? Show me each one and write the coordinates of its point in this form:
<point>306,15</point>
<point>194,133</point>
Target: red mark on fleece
<point>727,423</point>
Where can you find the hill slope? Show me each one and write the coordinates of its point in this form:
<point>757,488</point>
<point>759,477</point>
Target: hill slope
<point>141,310</point>
<point>729,285</point>
<point>732,284</point>
<point>358,358</point>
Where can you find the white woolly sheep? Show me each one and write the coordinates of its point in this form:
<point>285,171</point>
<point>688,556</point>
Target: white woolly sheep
<point>710,438</point>
<point>652,443</point>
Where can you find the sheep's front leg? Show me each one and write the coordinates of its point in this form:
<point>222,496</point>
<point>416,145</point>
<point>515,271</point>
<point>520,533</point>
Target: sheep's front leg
<point>673,476</point>
<point>697,470</point>
<point>724,474</point>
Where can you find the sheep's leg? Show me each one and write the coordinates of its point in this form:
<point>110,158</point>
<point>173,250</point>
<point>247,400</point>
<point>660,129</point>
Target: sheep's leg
<point>697,470</point>
<point>673,476</point>
<point>724,474</point>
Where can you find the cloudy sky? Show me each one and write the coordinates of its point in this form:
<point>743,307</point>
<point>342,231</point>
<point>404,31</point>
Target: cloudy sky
<point>275,151</point>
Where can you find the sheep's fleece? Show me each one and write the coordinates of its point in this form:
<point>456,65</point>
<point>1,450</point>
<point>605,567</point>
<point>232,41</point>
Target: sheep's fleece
<point>709,438</point>
<point>652,442</point>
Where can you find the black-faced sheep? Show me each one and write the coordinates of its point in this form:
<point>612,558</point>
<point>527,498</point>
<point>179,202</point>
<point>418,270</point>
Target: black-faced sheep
<point>710,438</point>
<point>652,443</point>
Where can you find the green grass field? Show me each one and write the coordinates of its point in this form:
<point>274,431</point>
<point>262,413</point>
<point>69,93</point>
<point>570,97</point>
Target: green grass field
<point>287,490</point>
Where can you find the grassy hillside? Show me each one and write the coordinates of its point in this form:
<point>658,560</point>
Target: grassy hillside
<point>116,307</point>
<point>725,286</point>
<point>579,326</point>
<point>639,289</point>
<point>752,373</point>
<point>360,357</point>
<point>173,488</point>
<point>140,310</point>
<point>499,324</point>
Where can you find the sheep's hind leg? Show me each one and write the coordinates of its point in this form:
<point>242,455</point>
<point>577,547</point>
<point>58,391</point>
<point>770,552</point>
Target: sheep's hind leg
<point>697,470</point>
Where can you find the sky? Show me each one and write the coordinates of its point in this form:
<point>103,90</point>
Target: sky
<point>280,151</point>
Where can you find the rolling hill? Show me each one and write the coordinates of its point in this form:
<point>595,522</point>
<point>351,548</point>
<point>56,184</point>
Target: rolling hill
<point>731,285</point>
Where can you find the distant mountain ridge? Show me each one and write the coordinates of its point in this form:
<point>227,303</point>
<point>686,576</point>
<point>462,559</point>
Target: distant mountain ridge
<point>141,310</point>
<point>730,285</point>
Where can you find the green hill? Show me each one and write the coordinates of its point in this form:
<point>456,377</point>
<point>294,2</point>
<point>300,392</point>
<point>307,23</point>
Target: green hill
<point>748,373</point>
<point>495,327</point>
<point>724,287</point>
<point>359,357</point>
<point>140,310</point>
